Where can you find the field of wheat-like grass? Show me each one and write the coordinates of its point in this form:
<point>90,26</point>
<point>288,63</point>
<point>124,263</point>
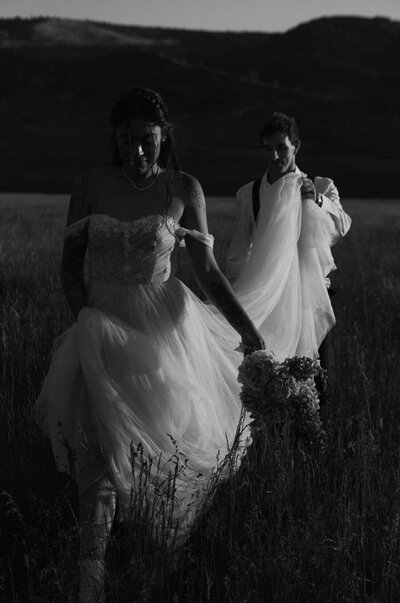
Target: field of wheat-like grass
<point>287,527</point>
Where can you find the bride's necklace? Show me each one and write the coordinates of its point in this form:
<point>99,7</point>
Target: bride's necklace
<point>144,188</point>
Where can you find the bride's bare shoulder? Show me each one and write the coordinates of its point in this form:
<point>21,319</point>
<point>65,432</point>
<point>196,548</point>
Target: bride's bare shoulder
<point>90,186</point>
<point>91,177</point>
<point>188,188</point>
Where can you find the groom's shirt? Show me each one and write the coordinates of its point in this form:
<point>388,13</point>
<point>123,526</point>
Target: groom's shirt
<point>240,247</point>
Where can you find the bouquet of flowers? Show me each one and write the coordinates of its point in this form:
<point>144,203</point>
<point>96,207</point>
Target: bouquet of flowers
<point>283,395</point>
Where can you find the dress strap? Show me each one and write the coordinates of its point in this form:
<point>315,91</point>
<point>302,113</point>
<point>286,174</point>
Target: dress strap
<point>76,228</point>
<point>206,239</point>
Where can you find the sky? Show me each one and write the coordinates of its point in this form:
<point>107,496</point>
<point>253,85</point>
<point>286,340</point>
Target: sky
<point>233,15</point>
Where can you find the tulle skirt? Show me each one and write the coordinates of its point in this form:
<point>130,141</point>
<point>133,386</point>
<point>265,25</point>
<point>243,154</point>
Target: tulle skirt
<point>148,368</point>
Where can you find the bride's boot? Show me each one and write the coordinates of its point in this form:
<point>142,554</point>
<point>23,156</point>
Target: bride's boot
<point>97,509</point>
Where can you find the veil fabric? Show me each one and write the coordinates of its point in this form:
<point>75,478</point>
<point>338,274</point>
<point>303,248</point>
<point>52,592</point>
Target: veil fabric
<point>283,284</point>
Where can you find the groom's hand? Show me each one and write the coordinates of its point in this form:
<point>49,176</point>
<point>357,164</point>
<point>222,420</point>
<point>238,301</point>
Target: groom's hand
<point>307,190</point>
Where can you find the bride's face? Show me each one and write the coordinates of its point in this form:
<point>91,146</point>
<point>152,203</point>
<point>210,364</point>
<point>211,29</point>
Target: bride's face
<point>139,144</point>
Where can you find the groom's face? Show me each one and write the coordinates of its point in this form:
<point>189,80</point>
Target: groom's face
<point>280,154</point>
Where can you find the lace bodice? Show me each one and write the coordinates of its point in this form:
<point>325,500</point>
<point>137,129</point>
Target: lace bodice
<point>137,251</point>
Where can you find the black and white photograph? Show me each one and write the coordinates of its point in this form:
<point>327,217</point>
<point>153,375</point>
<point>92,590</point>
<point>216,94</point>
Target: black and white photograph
<point>199,301</point>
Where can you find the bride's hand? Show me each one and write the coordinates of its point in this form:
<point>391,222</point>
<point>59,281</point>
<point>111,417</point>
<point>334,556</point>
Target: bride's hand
<point>252,341</point>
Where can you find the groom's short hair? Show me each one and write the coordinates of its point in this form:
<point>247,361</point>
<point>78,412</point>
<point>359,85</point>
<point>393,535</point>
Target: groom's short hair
<point>279,122</point>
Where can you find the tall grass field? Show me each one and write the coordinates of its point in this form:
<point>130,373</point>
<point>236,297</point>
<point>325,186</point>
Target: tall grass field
<point>286,528</point>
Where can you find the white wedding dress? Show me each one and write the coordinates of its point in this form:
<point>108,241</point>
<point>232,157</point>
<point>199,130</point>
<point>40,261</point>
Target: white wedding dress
<point>147,363</point>
<point>283,285</point>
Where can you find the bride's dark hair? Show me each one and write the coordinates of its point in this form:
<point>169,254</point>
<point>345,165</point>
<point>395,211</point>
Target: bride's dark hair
<point>144,103</point>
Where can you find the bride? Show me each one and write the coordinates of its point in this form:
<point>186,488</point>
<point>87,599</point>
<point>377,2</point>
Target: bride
<point>146,362</point>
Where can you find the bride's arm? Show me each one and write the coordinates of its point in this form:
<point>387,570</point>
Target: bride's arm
<point>209,276</point>
<point>74,250</point>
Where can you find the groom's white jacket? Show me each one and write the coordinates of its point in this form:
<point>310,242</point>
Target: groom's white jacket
<point>241,244</point>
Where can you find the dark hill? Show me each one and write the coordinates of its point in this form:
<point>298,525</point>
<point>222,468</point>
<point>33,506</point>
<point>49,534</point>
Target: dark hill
<point>339,76</point>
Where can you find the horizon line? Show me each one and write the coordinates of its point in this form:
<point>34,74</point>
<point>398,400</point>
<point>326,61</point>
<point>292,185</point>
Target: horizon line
<point>200,30</point>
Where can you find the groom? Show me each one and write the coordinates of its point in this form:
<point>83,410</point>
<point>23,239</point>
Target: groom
<point>280,142</point>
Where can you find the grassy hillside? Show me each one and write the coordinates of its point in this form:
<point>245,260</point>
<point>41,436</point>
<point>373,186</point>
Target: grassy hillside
<point>338,76</point>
